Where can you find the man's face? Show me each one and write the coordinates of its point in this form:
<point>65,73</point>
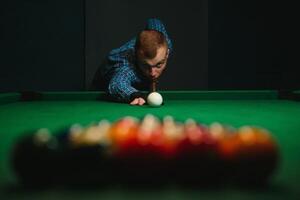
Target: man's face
<point>153,68</point>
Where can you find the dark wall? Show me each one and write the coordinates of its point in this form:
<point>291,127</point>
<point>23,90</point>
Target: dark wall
<point>252,45</point>
<point>42,45</point>
<point>278,50</point>
<point>232,44</point>
<point>217,44</point>
<point>111,23</point>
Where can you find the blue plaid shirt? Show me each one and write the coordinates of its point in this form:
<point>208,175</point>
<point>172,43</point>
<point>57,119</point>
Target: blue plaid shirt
<point>120,73</point>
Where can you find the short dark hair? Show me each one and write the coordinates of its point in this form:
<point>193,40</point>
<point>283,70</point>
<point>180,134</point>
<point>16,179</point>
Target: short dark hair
<point>147,43</point>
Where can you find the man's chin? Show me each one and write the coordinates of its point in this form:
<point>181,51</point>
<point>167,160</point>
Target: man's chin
<point>150,77</point>
<point>153,78</point>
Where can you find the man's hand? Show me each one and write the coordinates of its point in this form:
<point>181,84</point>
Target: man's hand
<point>138,101</point>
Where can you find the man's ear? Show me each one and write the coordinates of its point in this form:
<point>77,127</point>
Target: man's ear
<point>168,53</point>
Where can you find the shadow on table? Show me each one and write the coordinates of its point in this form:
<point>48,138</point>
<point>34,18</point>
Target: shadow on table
<point>188,189</point>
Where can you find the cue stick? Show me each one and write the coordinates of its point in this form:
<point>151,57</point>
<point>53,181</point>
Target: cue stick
<point>153,88</point>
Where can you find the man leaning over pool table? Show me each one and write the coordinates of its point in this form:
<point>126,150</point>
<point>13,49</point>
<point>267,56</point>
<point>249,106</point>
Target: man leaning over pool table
<point>135,65</point>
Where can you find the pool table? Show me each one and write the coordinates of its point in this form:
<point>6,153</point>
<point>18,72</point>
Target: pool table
<point>271,109</point>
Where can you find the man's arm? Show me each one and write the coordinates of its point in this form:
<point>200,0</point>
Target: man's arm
<point>120,87</point>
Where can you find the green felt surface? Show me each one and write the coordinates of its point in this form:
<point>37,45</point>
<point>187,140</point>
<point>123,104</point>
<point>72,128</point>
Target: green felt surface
<point>297,91</point>
<point>59,110</point>
<point>9,98</point>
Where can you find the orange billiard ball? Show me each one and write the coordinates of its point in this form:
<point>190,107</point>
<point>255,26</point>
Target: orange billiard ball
<point>123,134</point>
<point>249,155</point>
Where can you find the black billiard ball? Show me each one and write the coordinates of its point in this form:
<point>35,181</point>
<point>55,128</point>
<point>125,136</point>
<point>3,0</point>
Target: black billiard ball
<point>34,157</point>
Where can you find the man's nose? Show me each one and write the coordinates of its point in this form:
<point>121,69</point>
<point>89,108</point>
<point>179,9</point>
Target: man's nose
<point>152,71</point>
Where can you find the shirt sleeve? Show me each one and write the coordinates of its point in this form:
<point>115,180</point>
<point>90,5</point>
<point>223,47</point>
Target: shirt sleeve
<point>120,85</point>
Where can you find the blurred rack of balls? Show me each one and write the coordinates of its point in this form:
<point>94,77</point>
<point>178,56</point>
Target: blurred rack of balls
<point>149,150</point>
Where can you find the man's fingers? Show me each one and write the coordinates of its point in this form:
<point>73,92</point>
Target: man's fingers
<point>138,101</point>
<point>141,101</point>
<point>135,101</point>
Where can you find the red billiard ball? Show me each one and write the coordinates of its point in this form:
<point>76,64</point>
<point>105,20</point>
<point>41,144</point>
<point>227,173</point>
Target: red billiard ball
<point>196,158</point>
<point>172,134</point>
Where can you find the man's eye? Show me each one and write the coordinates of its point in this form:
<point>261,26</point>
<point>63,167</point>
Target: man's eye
<point>159,65</point>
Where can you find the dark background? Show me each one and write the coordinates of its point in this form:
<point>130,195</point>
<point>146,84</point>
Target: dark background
<point>57,45</point>
<point>42,45</point>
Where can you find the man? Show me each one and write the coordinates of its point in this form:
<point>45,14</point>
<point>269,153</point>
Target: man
<point>132,67</point>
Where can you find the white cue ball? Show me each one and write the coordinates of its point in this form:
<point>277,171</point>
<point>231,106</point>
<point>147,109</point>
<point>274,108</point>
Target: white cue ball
<point>154,99</point>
